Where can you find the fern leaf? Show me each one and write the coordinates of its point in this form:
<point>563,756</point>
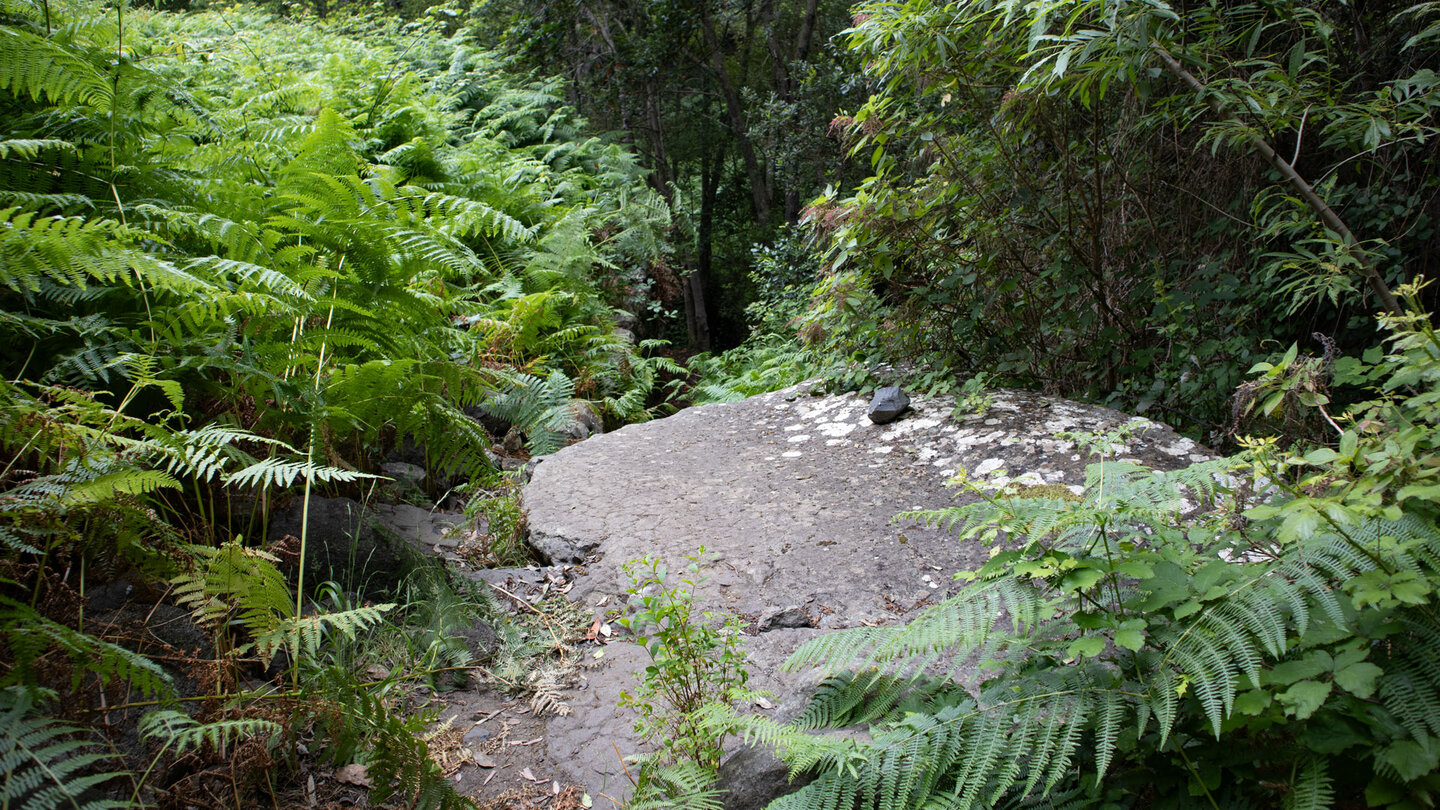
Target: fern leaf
<point>183,733</point>
<point>1311,788</point>
<point>45,70</point>
<point>127,482</point>
<point>45,764</point>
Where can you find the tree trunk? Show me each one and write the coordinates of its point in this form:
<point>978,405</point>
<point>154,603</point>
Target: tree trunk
<point>696,316</point>
<point>661,177</point>
<point>735,111</point>
<point>807,31</point>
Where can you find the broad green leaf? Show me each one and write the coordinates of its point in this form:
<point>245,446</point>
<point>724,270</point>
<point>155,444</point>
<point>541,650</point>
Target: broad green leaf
<point>1359,679</point>
<point>1409,759</point>
<point>1086,647</point>
<point>1130,639</point>
<point>1304,698</point>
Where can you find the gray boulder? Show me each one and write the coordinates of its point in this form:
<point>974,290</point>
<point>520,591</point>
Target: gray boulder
<point>753,777</point>
<point>793,497</point>
<point>789,616</point>
<point>887,405</point>
<point>363,547</point>
<point>584,422</point>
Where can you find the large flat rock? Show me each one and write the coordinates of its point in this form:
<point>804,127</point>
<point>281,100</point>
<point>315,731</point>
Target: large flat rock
<point>793,497</point>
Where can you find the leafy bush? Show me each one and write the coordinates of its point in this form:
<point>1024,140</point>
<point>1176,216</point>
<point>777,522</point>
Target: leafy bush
<point>1125,203</point>
<point>696,661</point>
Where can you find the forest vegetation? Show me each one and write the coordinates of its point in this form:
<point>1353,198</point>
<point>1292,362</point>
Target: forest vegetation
<point>249,253</point>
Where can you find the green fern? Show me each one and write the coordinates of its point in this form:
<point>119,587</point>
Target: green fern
<point>45,70</point>
<point>360,724</point>
<point>1118,631</point>
<point>232,581</point>
<point>681,785</point>
<point>183,733</point>
<point>538,407</point>
<point>29,636</point>
<point>47,765</point>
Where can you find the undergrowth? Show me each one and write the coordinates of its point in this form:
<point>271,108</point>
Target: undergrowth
<point>241,260</point>
<point>1255,631</point>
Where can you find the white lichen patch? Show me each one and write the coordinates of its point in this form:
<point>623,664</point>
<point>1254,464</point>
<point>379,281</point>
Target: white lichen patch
<point>968,439</point>
<point>792,454</point>
<point>1015,441</point>
<point>987,466</point>
<point>1181,447</point>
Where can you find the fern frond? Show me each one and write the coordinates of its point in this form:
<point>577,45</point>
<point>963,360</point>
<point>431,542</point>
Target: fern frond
<point>1311,789</point>
<point>279,472</point>
<point>183,733</point>
<point>30,635</point>
<point>32,147</point>
<point>682,786</point>
<point>47,71</point>
<point>959,624</point>
<point>539,407</point>
<point>304,635</point>
<point>125,482</point>
<point>46,765</point>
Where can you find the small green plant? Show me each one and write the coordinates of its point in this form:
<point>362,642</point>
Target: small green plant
<point>497,499</point>
<point>974,398</point>
<point>47,764</point>
<point>696,660</point>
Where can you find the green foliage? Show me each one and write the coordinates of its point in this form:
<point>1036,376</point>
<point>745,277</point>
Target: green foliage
<point>695,660</point>
<point>682,786</point>
<point>1274,649</point>
<point>29,635</point>
<point>358,724</point>
<point>728,105</point>
<point>1110,201</point>
<point>47,765</point>
<point>499,505</point>
<point>236,585</point>
<point>183,733</point>
<point>241,256</point>
<point>435,610</point>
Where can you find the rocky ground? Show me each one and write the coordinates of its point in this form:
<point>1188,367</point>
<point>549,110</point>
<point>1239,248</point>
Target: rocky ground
<point>793,496</point>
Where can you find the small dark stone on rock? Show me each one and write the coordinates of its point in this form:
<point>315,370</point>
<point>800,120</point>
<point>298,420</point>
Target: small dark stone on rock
<point>789,616</point>
<point>887,404</point>
<point>477,735</point>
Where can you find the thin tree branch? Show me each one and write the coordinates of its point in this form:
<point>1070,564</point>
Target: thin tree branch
<point>1307,192</point>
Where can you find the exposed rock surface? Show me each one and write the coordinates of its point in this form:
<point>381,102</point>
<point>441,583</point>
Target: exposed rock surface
<point>752,777</point>
<point>361,546</point>
<point>792,496</point>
